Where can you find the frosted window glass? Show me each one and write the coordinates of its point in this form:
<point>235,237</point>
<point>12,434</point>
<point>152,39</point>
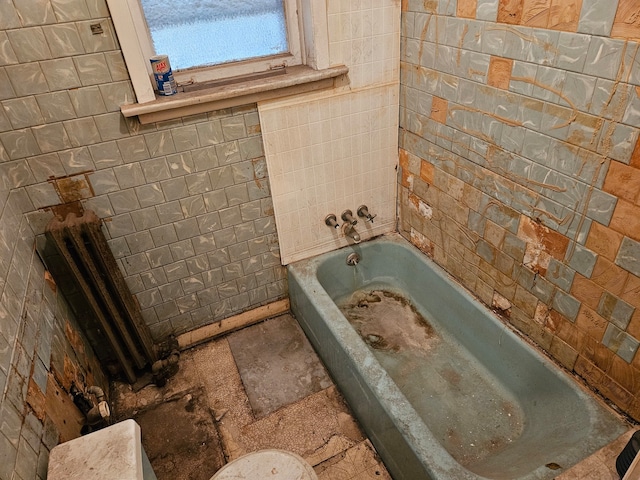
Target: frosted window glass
<point>210,32</point>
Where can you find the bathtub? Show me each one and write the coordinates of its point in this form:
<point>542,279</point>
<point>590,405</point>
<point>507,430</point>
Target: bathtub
<point>470,400</point>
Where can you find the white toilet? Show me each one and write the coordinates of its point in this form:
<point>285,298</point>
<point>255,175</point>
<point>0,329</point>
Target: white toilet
<point>267,465</point>
<point>116,452</point>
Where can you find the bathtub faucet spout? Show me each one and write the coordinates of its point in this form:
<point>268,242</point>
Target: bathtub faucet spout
<point>350,231</point>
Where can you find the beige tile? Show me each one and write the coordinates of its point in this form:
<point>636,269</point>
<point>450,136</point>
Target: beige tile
<point>305,426</point>
<point>358,463</point>
<point>599,466</point>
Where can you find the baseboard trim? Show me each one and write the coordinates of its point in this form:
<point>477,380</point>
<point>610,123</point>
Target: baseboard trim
<point>227,325</point>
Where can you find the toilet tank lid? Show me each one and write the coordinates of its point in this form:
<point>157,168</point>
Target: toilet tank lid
<point>112,452</point>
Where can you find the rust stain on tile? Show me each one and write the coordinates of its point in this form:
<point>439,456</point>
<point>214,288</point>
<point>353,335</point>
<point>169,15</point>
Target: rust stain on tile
<point>73,189</point>
<point>420,206</point>
<point>49,281</point>
<point>427,171</point>
<point>422,242</point>
<point>549,241</point>
<point>36,400</point>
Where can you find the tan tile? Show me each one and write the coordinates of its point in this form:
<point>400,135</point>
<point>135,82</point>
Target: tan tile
<point>603,241</point>
<point>427,171</point>
<point>510,11</point>
<point>633,328</point>
<point>403,158</point>
<point>626,219</point>
<point>553,243</point>
<point>439,109</point>
<point>305,426</point>
<point>494,234</point>
<point>500,72</point>
<point>407,179</point>
<point>563,352</point>
<point>591,323</point>
<point>635,156</point>
<point>634,408</point>
<point>335,446</point>
<point>588,371</point>
<point>587,291</point>
<point>623,181</point>
<point>607,455</point>
<point>358,463</point>
<point>624,24</point>
<point>568,332</point>
<point>535,13</point>
<point>564,15</point>
<point>466,8</point>
<point>220,377</point>
<point>597,354</point>
<point>615,392</point>
<point>625,374</point>
<point>631,291</point>
<point>609,276</point>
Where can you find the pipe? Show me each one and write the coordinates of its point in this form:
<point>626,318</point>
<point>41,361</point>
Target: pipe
<point>97,391</point>
<point>98,413</point>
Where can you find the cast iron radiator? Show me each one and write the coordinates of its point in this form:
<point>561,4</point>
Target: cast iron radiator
<point>116,328</point>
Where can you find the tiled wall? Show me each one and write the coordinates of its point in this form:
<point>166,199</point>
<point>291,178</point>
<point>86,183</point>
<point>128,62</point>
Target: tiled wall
<point>186,205</point>
<point>519,126</point>
<point>186,202</point>
<point>333,151</point>
<point>42,351</point>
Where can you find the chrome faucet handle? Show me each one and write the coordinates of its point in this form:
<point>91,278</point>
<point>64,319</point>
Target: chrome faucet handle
<point>363,212</point>
<point>331,221</point>
<point>347,216</point>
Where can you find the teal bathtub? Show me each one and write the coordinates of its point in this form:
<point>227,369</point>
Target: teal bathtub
<point>482,403</point>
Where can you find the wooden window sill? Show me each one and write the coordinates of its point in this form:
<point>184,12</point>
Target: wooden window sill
<point>198,99</point>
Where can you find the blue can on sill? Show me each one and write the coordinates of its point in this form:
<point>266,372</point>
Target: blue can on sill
<point>161,68</point>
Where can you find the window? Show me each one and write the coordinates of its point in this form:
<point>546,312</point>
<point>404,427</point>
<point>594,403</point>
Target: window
<point>215,32</point>
<point>270,30</point>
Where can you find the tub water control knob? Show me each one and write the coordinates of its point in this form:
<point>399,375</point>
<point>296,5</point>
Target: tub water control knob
<point>347,216</point>
<point>331,221</point>
<point>363,212</point>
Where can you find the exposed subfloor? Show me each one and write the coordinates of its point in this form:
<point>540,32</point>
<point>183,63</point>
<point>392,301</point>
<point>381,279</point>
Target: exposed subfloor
<point>264,387</point>
<point>261,387</point>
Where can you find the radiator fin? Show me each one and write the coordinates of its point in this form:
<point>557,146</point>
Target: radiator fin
<point>80,242</point>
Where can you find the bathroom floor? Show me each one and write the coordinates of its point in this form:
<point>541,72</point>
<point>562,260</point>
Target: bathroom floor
<point>264,387</point>
<point>257,388</point>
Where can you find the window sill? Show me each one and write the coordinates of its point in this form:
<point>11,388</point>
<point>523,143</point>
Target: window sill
<point>298,79</point>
